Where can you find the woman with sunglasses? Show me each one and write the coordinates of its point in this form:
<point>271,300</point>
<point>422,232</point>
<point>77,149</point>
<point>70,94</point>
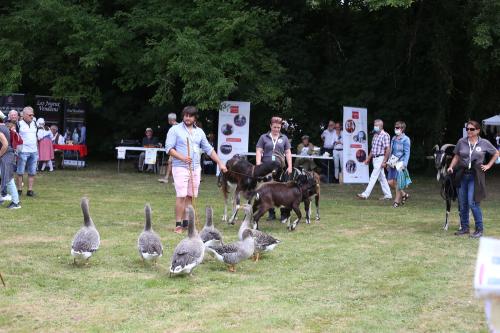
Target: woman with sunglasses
<point>400,148</point>
<point>469,168</point>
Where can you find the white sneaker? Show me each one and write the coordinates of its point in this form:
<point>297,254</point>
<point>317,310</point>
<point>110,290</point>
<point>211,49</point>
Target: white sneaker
<point>362,196</point>
<point>8,197</point>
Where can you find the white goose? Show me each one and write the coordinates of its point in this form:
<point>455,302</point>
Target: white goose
<point>263,242</point>
<point>190,251</point>
<point>209,234</point>
<point>149,243</point>
<point>87,239</point>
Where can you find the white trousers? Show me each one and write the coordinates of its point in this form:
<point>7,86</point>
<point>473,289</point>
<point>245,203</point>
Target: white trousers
<point>337,161</point>
<point>378,174</point>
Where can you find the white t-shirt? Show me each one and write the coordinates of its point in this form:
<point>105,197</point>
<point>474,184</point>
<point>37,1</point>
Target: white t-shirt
<point>328,138</point>
<point>28,134</point>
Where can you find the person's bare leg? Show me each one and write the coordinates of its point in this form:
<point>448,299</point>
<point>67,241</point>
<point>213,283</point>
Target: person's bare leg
<point>180,208</point>
<point>20,182</point>
<point>31,181</point>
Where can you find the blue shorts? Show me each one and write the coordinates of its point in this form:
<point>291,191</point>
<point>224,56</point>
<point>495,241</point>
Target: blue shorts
<point>392,173</point>
<point>29,161</point>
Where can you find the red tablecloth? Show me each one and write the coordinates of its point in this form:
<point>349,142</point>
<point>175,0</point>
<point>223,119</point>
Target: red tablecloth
<point>82,149</point>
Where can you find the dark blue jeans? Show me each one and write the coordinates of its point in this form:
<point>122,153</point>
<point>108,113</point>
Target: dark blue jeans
<point>466,201</point>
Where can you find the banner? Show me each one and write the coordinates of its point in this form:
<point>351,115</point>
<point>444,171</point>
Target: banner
<point>234,128</point>
<point>48,108</point>
<point>355,139</point>
<point>11,102</point>
<point>74,123</point>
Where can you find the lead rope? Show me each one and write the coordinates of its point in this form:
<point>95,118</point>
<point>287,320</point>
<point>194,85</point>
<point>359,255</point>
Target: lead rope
<point>193,199</point>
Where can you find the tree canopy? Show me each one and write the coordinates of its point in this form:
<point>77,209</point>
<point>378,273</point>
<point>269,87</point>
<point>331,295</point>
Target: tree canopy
<point>433,64</point>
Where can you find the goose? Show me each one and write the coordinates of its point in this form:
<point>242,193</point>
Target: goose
<point>87,239</point>
<point>149,243</point>
<point>209,234</point>
<point>234,253</point>
<point>263,242</point>
<point>190,251</point>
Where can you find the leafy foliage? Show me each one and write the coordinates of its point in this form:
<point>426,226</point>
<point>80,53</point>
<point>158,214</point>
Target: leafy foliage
<point>434,64</point>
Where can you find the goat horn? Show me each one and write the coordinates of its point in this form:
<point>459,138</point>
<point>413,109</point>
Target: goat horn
<point>435,148</point>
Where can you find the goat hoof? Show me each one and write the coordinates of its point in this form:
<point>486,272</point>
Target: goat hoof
<point>308,221</point>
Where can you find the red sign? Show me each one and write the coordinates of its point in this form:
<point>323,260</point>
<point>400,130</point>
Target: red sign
<point>233,139</point>
<point>355,115</point>
<point>356,145</point>
<point>234,109</point>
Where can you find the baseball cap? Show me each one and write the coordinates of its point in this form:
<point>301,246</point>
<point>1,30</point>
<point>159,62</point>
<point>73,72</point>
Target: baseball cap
<point>149,129</point>
<point>2,116</point>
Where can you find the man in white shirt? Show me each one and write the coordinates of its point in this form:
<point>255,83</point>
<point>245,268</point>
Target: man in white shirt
<point>338,148</point>
<point>28,152</point>
<point>328,137</point>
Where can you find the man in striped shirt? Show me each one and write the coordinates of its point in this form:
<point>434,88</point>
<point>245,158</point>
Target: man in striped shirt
<point>379,155</point>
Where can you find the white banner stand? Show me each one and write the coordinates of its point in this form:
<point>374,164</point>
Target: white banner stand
<point>355,140</point>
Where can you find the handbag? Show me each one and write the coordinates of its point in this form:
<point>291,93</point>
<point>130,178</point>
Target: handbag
<point>392,161</point>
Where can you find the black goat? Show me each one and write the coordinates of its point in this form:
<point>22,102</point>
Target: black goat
<point>442,160</point>
<point>243,176</point>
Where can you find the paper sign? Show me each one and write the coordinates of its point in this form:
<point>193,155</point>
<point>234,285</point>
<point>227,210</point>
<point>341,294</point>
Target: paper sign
<point>487,277</point>
<point>150,156</point>
<point>121,153</point>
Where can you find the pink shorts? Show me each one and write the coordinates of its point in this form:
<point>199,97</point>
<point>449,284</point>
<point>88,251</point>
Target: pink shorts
<point>182,182</point>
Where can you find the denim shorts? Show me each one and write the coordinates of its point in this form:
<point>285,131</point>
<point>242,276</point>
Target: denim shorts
<point>27,160</point>
<point>392,173</point>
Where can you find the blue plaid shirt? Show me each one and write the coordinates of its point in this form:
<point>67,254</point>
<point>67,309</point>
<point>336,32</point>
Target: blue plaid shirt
<point>177,138</point>
<point>380,142</point>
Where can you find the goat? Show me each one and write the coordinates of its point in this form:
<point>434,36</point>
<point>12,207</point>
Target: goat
<point>314,192</point>
<point>442,160</point>
<point>243,176</point>
<point>287,195</point>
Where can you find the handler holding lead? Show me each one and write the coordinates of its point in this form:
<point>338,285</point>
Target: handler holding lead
<point>185,144</point>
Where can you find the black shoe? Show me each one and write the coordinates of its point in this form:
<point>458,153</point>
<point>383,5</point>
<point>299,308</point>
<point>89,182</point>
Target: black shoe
<point>14,205</point>
<point>30,194</point>
<point>20,192</point>
<point>477,234</point>
<point>463,232</point>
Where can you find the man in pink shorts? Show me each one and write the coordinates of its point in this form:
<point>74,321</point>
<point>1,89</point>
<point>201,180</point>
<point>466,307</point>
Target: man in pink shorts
<point>186,168</point>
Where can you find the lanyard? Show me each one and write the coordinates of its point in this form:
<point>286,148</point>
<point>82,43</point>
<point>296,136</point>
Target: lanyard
<point>274,144</point>
<point>471,150</point>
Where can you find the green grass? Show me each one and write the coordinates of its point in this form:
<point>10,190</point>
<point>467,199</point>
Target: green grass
<point>364,268</point>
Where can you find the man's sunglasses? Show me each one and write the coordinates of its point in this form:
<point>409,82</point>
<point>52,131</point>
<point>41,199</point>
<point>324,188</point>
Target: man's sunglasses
<point>470,129</point>
<point>29,115</point>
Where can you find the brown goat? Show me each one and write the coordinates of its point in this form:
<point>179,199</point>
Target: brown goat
<point>287,195</point>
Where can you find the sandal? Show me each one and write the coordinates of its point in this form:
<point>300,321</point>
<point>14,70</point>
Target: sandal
<point>404,198</point>
<point>395,204</point>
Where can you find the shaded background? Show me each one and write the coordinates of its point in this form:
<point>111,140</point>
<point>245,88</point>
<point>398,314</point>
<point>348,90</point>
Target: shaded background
<point>433,64</point>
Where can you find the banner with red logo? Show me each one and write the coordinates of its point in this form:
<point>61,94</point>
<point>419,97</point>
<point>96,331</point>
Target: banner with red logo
<point>234,128</point>
<point>355,139</point>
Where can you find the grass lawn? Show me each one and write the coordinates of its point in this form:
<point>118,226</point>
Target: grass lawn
<point>365,267</point>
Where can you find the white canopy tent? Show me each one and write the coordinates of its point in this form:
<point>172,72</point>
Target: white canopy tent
<point>492,121</point>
